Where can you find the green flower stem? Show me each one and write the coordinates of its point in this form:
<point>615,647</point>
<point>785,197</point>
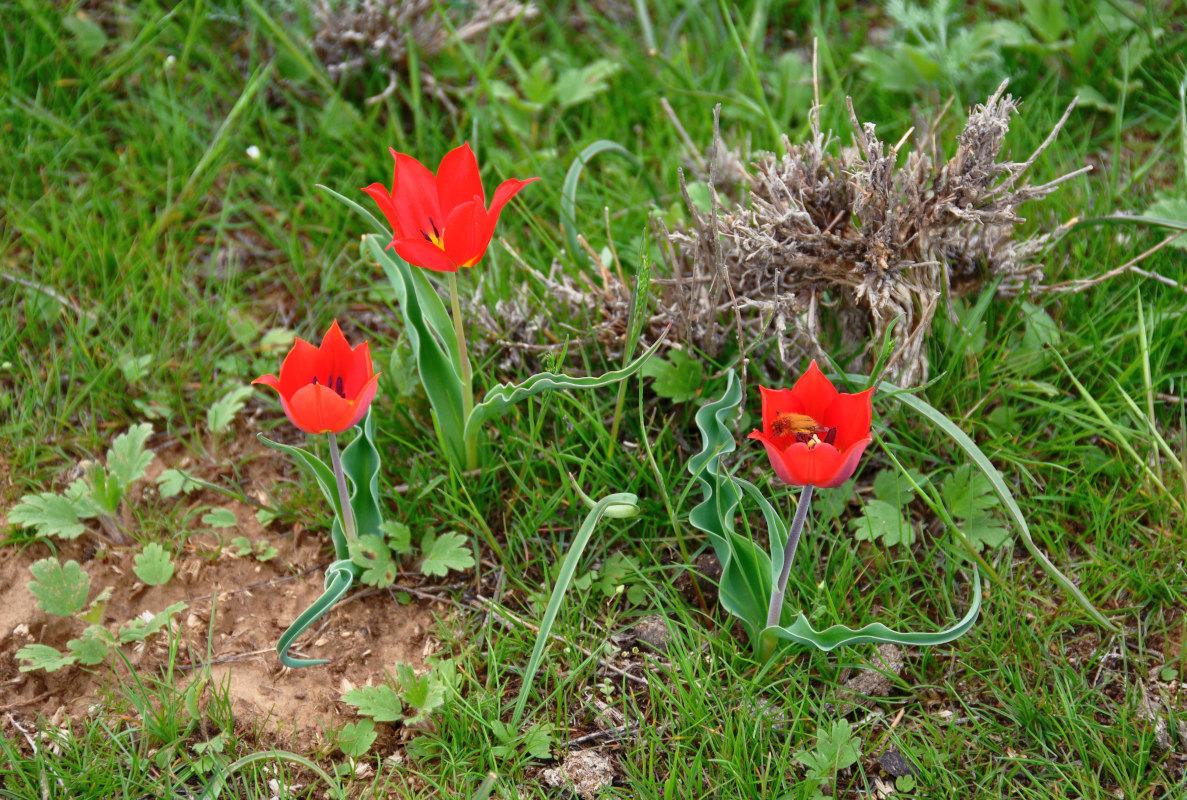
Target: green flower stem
<point>467,376</point>
<point>348,526</point>
<point>775,610</point>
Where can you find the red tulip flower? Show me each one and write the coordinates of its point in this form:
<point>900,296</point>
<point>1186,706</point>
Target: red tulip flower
<point>814,434</point>
<point>441,222</point>
<point>325,389</point>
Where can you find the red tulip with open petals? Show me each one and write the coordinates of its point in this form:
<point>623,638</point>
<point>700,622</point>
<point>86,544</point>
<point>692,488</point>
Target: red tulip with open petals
<point>441,222</point>
<point>814,435</point>
<point>325,389</point>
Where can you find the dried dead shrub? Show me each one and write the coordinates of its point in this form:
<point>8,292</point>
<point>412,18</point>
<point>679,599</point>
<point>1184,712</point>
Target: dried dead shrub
<point>355,35</point>
<point>844,240</point>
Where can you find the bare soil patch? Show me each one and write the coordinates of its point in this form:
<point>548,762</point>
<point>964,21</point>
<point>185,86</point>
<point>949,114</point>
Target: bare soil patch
<point>236,609</point>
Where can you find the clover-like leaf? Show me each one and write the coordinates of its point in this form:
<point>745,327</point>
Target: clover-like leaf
<point>42,656</point>
<point>135,368</point>
<point>356,738</point>
<point>381,703</point>
<point>538,741</point>
<point>222,411</point>
<point>127,459</point>
<point>425,693</point>
<point>891,486</point>
<point>147,624</point>
<point>831,504</point>
<point>967,492</point>
<point>153,565</point>
<point>399,536</point>
<point>48,514</point>
<point>677,377</point>
<point>93,647</point>
<point>220,518</point>
<point>445,552</point>
<point>612,576</point>
<point>173,482</point>
<point>372,554</point>
<point>884,522</point>
<point>836,749</point>
<point>61,588</point>
<point>984,530</point>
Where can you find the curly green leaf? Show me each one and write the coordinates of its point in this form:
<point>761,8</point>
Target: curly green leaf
<point>505,395</point>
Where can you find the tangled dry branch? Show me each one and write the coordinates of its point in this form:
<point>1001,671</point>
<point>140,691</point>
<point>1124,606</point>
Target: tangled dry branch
<point>844,241</point>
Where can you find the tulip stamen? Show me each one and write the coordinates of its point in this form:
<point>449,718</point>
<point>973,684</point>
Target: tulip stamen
<point>813,437</point>
<point>335,385</point>
<point>435,239</point>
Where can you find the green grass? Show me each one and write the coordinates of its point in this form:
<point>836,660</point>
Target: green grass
<point>129,193</point>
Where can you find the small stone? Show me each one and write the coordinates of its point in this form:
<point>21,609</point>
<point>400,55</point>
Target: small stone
<point>587,771</point>
<point>654,632</point>
<point>893,762</point>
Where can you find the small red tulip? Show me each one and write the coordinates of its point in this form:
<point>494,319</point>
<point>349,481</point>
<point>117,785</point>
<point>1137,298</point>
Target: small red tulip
<point>325,389</point>
<point>814,434</point>
<point>441,222</point>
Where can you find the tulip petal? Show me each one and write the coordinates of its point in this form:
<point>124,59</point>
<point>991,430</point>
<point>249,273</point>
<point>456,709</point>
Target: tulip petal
<point>458,180</point>
<point>505,191</point>
<point>420,253</point>
<point>776,402</point>
<point>357,371</point>
<point>299,368</point>
<point>383,199</point>
<point>268,380</point>
<point>316,408</point>
<point>463,233</point>
<point>851,415</point>
<point>334,356</point>
<point>363,400</point>
<point>814,392</point>
<point>414,195</point>
<point>850,458</point>
<point>823,465</point>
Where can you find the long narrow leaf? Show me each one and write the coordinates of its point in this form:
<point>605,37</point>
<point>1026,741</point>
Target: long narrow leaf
<point>314,466</point>
<point>214,789</point>
<point>1134,219</point>
<point>568,569</point>
<point>745,586</point>
<point>573,177</point>
<point>361,462</point>
<point>441,380</point>
<point>505,395</point>
<point>379,227</point>
<point>340,576</point>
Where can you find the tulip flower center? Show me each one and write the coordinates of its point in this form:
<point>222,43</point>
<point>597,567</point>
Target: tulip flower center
<point>335,385</point>
<point>803,428</point>
<point>435,238</point>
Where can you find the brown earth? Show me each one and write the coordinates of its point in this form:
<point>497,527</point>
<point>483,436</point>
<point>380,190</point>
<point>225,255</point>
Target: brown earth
<point>251,604</point>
